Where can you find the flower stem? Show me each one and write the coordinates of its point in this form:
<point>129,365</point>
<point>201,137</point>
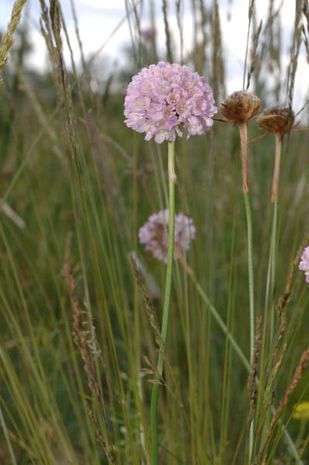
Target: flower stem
<point>276,176</point>
<point>243,132</point>
<point>250,273</point>
<point>271,272</point>
<point>251,301</point>
<point>166,305</point>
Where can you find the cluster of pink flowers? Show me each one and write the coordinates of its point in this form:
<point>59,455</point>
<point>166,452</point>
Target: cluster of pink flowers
<point>154,234</point>
<point>304,263</point>
<point>165,98</point>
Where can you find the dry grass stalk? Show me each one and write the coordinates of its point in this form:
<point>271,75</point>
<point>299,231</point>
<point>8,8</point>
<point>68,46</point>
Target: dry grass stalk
<point>141,284</point>
<point>84,338</point>
<point>254,55</point>
<point>252,386</point>
<point>7,39</point>
<point>168,43</point>
<point>283,301</point>
<point>286,295</point>
<point>250,16</point>
<point>305,29</point>
<point>304,360</point>
<point>178,4</point>
<point>295,47</point>
<point>218,71</point>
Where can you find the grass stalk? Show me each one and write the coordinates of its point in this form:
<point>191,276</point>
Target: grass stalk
<point>166,305</point>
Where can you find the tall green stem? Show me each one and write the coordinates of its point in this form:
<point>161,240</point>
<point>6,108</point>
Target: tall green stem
<point>243,132</point>
<point>166,305</point>
<point>250,273</point>
<point>271,272</point>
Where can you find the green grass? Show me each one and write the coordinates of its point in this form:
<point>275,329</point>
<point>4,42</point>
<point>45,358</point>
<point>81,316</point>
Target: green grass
<point>84,184</point>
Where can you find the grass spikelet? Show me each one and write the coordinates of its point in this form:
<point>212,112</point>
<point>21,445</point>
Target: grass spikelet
<point>85,340</point>
<point>7,39</point>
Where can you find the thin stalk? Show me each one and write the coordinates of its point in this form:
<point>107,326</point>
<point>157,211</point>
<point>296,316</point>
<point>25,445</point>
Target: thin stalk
<point>7,438</point>
<point>243,132</point>
<point>166,305</point>
<point>250,273</point>
<point>251,302</point>
<point>276,176</point>
<point>271,272</point>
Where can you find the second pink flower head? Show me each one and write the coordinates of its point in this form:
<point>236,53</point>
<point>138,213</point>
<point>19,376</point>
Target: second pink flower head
<point>154,234</point>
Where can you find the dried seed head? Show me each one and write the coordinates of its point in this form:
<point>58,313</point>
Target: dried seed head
<point>276,120</point>
<point>240,106</point>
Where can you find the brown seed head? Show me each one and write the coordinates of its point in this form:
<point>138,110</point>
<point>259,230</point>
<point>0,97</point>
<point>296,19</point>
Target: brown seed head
<point>276,120</point>
<point>240,106</point>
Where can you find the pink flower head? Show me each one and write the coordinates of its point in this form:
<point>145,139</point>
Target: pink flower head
<point>154,234</point>
<point>164,99</point>
<point>304,263</point>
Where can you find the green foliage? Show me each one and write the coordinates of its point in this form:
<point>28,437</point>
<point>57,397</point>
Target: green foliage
<point>79,184</point>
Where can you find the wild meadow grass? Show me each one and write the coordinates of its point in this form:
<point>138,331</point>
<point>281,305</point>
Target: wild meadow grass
<point>81,301</point>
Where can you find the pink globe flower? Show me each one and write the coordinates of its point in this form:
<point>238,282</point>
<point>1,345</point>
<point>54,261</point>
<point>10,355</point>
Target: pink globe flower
<point>304,263</point>
<point>154,234</point>
<point>165,99</point>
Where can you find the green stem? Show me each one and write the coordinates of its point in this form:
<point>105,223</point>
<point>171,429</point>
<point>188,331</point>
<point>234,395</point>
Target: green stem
<point>251,302</point>
<point>166,305</point>
<point>250,273</point>
<point>271,272</point>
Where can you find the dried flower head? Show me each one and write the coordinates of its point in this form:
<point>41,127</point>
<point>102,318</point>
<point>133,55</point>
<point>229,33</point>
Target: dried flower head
<point>154,234</point>
<point>276,120</point>
<point>164,99</point>
<point>304,263</point>
<point>240,106</point>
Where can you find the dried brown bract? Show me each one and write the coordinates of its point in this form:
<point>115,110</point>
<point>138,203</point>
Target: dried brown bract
<point>276,120</point>
<point>240,106</point>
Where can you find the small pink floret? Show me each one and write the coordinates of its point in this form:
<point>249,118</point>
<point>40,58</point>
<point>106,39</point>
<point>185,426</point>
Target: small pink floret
<point>166,98</point>
<point>154,234</point>
<point>304,263</point>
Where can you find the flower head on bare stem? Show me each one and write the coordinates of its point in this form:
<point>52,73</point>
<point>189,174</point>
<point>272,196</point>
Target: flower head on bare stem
<point>276,120</point>
<point>240,106</point>
<point>304,263</point>
<point>165,99</point>
<point>154,234</point>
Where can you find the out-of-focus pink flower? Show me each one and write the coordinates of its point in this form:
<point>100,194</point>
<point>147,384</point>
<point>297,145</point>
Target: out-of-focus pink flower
<point>165,99</point>
<point>148,34</point>
<point>154,234</point>
<point>304,263</point>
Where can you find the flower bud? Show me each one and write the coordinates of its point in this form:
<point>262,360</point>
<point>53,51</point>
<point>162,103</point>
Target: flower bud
<point>240,106</point>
